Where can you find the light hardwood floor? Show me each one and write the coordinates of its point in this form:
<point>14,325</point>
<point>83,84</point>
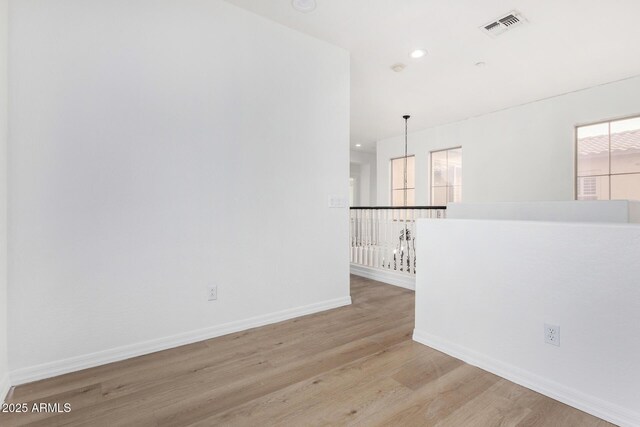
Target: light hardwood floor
<point>354,365</point>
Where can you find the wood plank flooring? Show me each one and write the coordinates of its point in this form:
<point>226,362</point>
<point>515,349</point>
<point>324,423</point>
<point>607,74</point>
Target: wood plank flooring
<point>354,365</point>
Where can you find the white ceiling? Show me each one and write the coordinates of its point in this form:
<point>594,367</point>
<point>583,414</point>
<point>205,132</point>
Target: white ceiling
<point>567,45</point>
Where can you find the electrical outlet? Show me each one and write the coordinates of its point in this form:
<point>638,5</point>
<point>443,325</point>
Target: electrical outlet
<point>336,201</point>
<point>213,292</point>
<point>552,334</point>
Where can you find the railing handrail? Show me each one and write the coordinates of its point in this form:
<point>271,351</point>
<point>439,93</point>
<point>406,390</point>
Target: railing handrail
<point>398,207</point>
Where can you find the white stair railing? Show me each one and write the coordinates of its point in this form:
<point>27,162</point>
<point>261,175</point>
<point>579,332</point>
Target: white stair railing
<point>384,237</point>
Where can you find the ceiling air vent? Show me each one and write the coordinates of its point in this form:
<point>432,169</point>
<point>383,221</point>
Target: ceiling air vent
<point>503,24</point>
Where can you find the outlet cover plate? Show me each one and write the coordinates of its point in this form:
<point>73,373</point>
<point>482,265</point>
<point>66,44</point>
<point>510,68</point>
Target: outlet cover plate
<point>212,292</point>
<point>336,201</point>
<point>552,334</point>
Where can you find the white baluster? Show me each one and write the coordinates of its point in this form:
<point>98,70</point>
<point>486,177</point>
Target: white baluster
<point>376,229</point>
<point>375,256</point>
<point>400,243</point>
<point>412,241</point>
<point>365,260</point>
<point>405,248</point>
<point>358,236</point>
<point>359,227</point>
<point>351,244</point>
<point>391,239</point>
<point>385,248</point>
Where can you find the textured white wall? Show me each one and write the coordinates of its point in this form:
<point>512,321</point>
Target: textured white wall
<point>159,146</point>
<point>524,153</point>
<point>4,32</point>
<point>486,289</point>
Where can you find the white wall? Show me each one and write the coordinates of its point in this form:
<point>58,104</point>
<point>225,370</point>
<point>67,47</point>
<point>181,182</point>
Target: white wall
<point>634,212</point>
<point>4,32</point>
<point>366,170</point>
<point>525,153</point>
<point>354,174</point>
<point>574,210</point>
<point>159,146</point>
<point>519,275</point>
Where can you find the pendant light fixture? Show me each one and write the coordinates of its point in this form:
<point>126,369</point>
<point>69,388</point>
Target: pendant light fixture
<point>403,244</point>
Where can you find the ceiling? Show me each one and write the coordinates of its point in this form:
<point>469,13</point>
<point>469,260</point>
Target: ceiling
<point>567,45</point>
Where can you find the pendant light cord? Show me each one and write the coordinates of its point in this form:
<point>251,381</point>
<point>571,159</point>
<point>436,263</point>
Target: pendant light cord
<point>406,121</point>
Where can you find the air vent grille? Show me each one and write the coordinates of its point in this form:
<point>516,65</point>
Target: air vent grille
<point>509,20</point>
<point>503,24</point>
<point>492,26</point>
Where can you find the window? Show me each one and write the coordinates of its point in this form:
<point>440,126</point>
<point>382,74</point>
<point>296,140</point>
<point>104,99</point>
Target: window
<point>608,160</point>
<point>397,181</point>
<point>446,176</point>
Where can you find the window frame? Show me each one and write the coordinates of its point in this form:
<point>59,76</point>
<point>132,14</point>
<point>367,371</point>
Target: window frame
<point>430,171</point>
<point>391,189</point>
<point>575,150</point>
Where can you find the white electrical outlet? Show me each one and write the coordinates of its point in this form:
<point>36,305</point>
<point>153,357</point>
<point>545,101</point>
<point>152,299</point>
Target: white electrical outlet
<point>336,201</point>
<point>213,292</point>
<point>552,334</point>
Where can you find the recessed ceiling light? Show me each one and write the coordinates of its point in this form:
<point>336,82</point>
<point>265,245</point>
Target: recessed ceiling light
<point>358,145</point>
<point>418,53</point>
<point>303,5</point>
<point>398,67</point>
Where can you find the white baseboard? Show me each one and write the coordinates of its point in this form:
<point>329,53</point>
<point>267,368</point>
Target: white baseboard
<point>590,404</point>
<point>5,385</point>
<point>386,276</point>
<point>52,369</point>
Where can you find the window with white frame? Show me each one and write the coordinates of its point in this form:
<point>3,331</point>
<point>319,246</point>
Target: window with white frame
<point>446,176</point>
<point>397,181</point>
<point>608,160</point>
